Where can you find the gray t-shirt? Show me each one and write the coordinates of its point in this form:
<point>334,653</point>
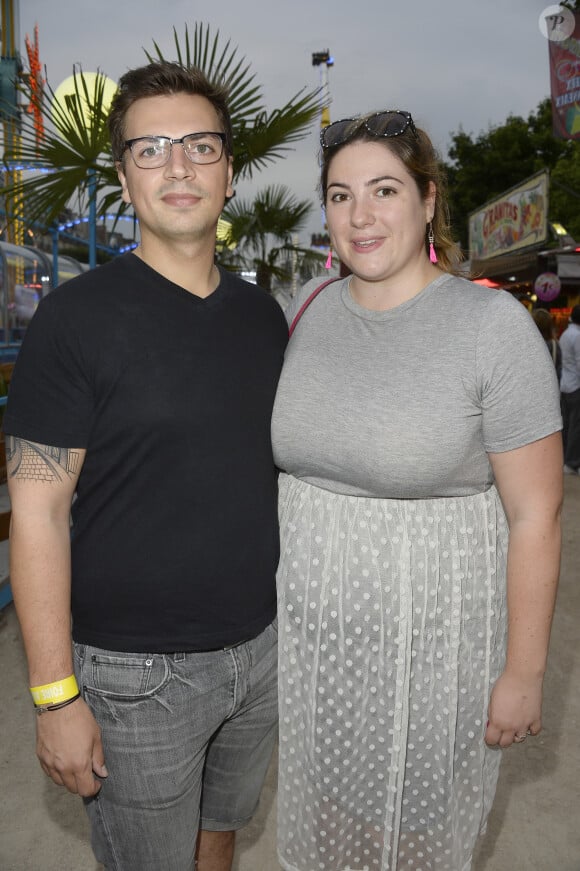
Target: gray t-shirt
<point>407,403</point>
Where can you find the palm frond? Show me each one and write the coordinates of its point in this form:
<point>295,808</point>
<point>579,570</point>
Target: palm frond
<point>74,141</point>
<point>219,65</point>
<point>264,230</point>
<point>260,137</point>
<point>275,211</point>
<point>269,137</point>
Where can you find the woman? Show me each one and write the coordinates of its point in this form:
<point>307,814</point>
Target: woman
<point>416,422</point>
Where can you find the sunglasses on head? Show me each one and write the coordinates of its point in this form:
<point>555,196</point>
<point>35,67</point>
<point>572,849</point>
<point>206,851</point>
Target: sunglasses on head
<point>392,122</point>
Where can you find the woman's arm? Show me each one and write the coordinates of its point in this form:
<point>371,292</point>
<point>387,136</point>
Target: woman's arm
<point>529,481</point>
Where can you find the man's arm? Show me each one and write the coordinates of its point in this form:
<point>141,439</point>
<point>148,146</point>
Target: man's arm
<point>41,483</point>
<point>529,481</point>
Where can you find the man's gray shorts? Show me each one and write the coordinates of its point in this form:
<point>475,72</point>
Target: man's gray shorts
<point>181,732</point>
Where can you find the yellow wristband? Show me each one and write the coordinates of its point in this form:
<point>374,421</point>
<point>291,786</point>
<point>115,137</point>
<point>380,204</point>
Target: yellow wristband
<point>55,693</point>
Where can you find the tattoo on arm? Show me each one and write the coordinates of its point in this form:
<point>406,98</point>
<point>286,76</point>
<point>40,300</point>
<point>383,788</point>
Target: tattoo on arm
<point>33,462</point>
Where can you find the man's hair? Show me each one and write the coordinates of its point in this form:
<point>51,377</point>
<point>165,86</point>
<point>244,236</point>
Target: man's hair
<point>575,315</point>
<point>163,78</point>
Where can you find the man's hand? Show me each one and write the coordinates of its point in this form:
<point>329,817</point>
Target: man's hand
<point>69,747</point>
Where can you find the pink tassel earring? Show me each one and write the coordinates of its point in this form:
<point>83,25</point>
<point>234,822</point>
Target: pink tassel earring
<point>328,264</point>
<point>431,240</point>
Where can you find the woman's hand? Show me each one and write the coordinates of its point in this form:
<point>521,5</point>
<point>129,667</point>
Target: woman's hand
<point>515,710</point>
<point>529,481</point>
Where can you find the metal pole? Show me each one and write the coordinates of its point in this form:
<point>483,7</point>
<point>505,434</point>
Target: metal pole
<point>92,219</point>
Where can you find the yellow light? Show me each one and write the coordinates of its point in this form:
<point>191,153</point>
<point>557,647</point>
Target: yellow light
<point>223,234</point>
<point>67,89</point>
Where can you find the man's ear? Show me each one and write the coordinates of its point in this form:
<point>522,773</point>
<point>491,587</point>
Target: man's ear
<point>230,192</point>
<point>125,195</point>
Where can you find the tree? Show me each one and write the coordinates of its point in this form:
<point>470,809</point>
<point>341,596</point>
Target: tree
<point>484,167</point>
<point>71,151</point>
<point>565,191</point>
<point>259,137</point>
<point>72,146</point>
<point>264,232</point>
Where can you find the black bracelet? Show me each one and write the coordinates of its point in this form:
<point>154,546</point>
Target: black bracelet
<point>42,709</point>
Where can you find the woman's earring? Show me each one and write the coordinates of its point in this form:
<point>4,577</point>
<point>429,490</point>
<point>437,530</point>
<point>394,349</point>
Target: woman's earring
<point>328,264</point>
<point>431,240</point>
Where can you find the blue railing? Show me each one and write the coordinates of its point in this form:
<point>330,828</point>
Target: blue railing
<point>5,595</point>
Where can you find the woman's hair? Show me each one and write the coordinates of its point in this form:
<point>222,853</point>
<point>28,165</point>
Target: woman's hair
<point>164,78</point>
<point>416,151</point>
<point>544,322</point>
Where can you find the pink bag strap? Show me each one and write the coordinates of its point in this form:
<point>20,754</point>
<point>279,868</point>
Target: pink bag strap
<point>305,304</point>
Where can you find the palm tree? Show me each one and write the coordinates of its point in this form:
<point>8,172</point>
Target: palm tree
<point>259,137</point>
<point>264,231</point>
<point>68,157</point>
<point>74,152</point>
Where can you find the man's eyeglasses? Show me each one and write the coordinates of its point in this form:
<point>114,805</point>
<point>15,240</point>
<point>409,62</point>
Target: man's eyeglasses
<point>392,122</point>
<point>151,152</point>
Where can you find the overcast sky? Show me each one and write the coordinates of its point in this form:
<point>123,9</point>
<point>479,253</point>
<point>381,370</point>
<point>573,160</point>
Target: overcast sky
<point>453,64</point>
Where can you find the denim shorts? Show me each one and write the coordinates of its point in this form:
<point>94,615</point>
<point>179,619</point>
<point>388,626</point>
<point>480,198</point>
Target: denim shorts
<point>187,740</point>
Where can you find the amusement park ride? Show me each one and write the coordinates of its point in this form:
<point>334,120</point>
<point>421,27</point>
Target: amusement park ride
<point>10,71</point>
<point>323,60</point>
<point>26,273</point>
<point>11,114</point>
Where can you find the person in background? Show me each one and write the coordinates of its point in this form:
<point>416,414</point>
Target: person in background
<point>570,392</point>
<point>145,389</point>
<point>545,323</point>
<point>420,525</point>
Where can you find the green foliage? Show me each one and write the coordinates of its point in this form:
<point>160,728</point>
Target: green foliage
<point>260,137</point>
<point>244,95</point>
<point>72,146</point>
<point>484,167</point>
<point>74,142</point>
<point>264,231</point>
<point>565,192</point>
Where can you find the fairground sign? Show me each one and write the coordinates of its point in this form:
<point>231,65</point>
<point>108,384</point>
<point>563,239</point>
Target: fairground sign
<point>516,219</point>
<point>563,34</point>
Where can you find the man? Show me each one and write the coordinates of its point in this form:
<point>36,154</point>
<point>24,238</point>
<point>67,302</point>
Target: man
<point>144,388</point>
<point>570,392</point>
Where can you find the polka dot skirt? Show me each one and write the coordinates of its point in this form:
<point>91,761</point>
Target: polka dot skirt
<point>392,624</point>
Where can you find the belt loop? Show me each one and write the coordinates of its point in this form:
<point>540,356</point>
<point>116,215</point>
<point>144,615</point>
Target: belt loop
<point>178,657</point>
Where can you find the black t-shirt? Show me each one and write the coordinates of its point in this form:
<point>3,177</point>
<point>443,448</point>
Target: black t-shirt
<point>175,536</point>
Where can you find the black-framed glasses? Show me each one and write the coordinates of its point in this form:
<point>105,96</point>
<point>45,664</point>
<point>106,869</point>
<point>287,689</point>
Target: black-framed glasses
<point>151,152</point>
<point>391,122</point>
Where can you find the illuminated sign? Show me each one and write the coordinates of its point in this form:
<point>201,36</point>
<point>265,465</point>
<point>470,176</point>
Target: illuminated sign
<point>547,286</point>
<point>516,219</point>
